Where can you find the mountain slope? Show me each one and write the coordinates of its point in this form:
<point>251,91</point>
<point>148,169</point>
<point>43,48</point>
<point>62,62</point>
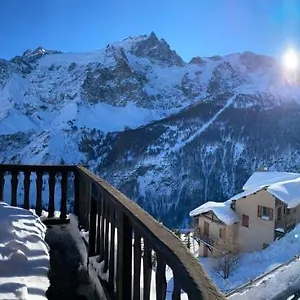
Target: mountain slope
<point>169,134</point>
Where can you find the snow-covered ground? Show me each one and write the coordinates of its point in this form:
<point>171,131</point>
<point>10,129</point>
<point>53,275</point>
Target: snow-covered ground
<point>24,256</point>
<point>283,281</point>
<point>252,265</point>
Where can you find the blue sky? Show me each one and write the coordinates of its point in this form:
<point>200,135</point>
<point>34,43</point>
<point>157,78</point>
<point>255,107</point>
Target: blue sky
<point>191,27</point>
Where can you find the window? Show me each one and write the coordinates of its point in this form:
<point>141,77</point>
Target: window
<point>265,213</point>
<point>222,233</point>
<point>245,221</point>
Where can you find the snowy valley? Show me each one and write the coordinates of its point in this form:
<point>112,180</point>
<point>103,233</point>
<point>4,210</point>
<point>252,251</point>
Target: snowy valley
<point>169,134</point>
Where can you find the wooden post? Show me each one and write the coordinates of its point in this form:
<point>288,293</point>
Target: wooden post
<point>137,267</point>
<point>14,187</point>
<point>106,250</point>
<point>92,230</point>
<point>176,288</point>
<point>1,184</point>
<point>63,203</point>
<point>51,206</point>
<point>103,204</point>
<point>26,189</point>
<point>112,249</point>
<point>124,261</point>
<point>39,186</point>
<point>76,193</point>
<point>147,266</point>
<point>161,283</point>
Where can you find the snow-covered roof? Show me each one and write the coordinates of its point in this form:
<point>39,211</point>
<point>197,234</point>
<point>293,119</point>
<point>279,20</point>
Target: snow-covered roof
<point>263,179</point>
<point>245,193</point>
<point>283,185</point>
<point>287,191</point>
<point>221,209</point>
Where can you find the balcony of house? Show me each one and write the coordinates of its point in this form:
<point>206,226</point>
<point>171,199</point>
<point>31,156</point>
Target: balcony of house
<point>203,237</point>
<point>128,252</point>
<point>285,219</point>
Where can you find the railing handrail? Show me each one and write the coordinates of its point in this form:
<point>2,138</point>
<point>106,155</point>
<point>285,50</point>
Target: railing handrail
<point>36,168</point>
<point>192,275</point>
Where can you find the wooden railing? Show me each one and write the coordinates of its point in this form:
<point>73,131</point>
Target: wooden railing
<point>200,236</point>
<point>128,243</point>
<point>56,175</point>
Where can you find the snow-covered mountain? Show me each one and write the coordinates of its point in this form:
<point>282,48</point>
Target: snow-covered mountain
<point>168,133</point>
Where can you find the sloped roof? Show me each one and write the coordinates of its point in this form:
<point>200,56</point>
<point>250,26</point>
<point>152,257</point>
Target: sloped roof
<point>263,179</point>
<point>245,193</point>
<point>287,191</point>
<point>221,209</point>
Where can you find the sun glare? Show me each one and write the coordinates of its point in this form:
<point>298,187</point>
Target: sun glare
<point>290,59</point>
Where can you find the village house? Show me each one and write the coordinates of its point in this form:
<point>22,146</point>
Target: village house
<point>268,207</point>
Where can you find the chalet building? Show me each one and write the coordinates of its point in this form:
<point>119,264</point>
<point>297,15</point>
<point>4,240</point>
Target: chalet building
<point>268,207</point>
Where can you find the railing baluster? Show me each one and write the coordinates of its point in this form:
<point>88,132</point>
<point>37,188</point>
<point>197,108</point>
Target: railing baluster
<point>147,266</point>
<point>14,187</point>
<point>26,189</point>
<point>2,173</point>
<point>76,193</point>
<point>176,288</point>
<point>39,186</point>
<point>161,283</point>
<point>51,183</point>
<point>106,248</point>
<point>87,199</point>
<point>103,204</point>
<point>92,230</point>
<point>63,203</point>
<point>137,266</point>
<point>81,203</point>
<point>124,262</point>
<point>98,240</point>
<point>112,250</point>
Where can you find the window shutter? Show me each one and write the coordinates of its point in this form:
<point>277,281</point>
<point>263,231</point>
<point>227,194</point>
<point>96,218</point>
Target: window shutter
<point>271,214</point>
<point>259,211</point>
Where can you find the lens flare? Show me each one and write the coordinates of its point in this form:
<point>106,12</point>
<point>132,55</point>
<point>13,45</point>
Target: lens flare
<point>290,59</point>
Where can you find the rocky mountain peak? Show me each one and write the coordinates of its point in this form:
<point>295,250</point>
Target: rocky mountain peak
<point>156,49</point>
<point>197,60</point>
<point>38,51</point>
<point>254,61</point>
<point>30,56</point>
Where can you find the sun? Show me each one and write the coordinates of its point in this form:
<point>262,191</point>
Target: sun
<point>290,59</point>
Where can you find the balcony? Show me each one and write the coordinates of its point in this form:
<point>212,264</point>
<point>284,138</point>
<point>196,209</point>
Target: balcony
<point>201,237</point>
<point>122,236</point>
<point>286,224</point>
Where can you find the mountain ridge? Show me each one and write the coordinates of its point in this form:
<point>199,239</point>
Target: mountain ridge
<point>168,133</point>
